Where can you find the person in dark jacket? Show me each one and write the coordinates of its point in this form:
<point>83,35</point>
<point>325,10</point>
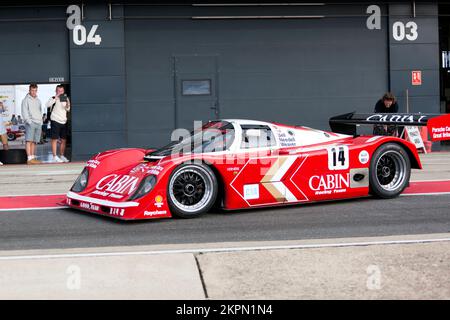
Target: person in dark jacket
<point>387,104</point>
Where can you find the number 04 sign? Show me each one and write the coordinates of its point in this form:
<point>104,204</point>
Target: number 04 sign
<point>79,33</point>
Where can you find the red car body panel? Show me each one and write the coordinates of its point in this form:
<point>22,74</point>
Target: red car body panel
<point>293,172</point>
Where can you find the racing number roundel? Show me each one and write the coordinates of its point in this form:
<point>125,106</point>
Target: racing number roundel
<point>338,158</point>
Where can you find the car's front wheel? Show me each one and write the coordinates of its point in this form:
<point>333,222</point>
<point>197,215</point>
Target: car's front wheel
<point>390,170</point>
<point>192,190</point>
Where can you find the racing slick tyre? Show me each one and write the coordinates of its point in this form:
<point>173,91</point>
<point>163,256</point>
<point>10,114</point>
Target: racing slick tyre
<point>192,190</point>
<point>13,156</point>
<point>390,170</point>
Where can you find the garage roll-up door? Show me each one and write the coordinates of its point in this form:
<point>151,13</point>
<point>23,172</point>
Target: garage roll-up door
<point>297,71</point>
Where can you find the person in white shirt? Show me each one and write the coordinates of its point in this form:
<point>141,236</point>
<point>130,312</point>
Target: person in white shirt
<point>58,106</point>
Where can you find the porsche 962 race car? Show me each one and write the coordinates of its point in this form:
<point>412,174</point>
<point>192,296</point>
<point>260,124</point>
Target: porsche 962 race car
<point>237,164</point>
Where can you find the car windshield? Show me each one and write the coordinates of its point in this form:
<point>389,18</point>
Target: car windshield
<point>214,136</point>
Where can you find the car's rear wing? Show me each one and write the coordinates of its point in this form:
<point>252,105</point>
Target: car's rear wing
<point>438,124</point>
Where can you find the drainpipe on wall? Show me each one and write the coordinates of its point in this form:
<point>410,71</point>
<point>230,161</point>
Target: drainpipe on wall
<point>407,100</point>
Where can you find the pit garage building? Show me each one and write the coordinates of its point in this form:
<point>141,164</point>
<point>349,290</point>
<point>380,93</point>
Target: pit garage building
<point>159,67</point>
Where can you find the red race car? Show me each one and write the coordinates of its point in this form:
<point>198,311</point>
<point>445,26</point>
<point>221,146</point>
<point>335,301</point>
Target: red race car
<point>237,164</point>
<point>14,134</point>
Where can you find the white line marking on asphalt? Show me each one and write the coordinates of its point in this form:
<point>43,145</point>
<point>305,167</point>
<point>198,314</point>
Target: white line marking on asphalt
<point>432,180</point>
<point>32,195</point>
<point>215,250</point>
<point>425,194</point>
<point>41,173</point>
<point>30,209</point>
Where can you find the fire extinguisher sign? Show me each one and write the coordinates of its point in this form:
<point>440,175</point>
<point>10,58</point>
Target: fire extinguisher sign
<point>416,78</point>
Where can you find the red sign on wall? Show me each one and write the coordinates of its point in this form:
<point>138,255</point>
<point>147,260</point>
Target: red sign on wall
<point>416,78</point>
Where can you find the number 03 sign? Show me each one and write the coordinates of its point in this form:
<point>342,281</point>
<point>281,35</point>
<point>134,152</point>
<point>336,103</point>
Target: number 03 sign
<point>79,33</point>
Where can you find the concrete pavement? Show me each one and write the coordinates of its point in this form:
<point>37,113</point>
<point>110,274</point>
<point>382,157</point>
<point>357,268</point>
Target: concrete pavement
<point>171,276</point>
<point>436,166</point>
<point>419,271</point>
<point>400,267</point>
<point>38,179</point>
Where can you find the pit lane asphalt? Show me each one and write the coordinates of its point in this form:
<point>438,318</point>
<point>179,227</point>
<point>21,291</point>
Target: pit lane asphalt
<point>68,228</point>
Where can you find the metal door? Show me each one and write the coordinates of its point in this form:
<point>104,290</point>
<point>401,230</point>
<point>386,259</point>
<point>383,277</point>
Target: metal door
<point>196,95</point>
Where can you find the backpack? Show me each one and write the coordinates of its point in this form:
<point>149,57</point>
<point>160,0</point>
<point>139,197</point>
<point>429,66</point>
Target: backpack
<point>49,111</point>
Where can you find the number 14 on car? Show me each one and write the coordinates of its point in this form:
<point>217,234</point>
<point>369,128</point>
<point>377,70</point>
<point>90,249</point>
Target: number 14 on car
<point>338,158</point>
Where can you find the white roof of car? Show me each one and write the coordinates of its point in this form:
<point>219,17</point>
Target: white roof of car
<point>245,121</point>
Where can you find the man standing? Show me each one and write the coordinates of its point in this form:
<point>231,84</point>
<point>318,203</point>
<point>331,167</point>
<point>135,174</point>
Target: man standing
<point>32,116</point>
<point>57,107</point>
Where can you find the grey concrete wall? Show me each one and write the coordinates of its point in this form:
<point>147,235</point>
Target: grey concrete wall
<point>34,45</point>
<point>97,76</point>
<point>297,71</point>
<point>420,54</point>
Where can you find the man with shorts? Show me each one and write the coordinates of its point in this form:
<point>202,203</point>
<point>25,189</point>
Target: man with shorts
<point>32,116</point>
<point>58,106</point>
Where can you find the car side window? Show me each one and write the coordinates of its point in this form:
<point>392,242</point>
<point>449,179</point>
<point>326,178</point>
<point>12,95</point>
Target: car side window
<point>257,136</point>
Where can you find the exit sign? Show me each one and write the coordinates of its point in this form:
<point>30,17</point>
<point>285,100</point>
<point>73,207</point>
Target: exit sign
<point>416,78</point>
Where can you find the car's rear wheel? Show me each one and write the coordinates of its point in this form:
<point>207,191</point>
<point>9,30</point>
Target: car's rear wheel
<point>192,190</point>
<point>390,170</point>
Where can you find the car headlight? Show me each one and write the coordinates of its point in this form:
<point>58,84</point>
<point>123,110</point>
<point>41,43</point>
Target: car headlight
<point>145,187</point>
<point>81,182</point>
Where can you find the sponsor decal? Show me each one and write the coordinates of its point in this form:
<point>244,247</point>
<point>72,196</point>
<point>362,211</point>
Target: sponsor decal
<point>251,191</point>
<point>139,168</point>
<point>330,183</point>
<point>117,211</point>
<point>363,157</point>
<point>286,138</point>
<point>338,158</point>
<point>89,206</point>
<point>107,194</point>
<point>158,201</point>
<point>115,183</point>
<point>155,170</point>
<point>394,118</point>
<point>116,196</point>
<point>440,132</point>
<point>155,213</point>
<point>234,170</point>
<point>93,164</point>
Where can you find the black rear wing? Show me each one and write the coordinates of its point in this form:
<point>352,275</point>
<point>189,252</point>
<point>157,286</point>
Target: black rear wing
<point>347,123</point>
